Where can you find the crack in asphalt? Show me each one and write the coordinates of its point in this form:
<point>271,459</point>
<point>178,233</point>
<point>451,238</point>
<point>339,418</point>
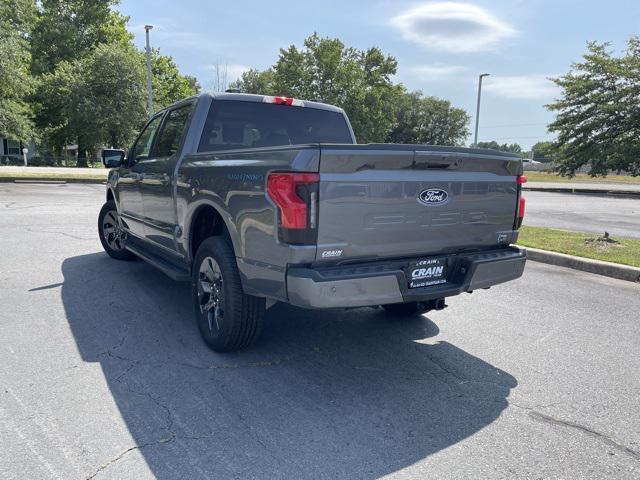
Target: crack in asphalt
<point>541,417</point>
<point>463,380</point>
<point>104,466</point>
<point>169,421</point>
<point>260,364</point>
<point>75,237</point>
<point>10,206</point>
<point>173,436</point>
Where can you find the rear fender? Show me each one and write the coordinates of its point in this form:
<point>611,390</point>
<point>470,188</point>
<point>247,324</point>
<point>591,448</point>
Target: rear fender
<point>205,201</point>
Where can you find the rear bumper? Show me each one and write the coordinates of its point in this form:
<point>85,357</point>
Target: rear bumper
<point>380,283</point>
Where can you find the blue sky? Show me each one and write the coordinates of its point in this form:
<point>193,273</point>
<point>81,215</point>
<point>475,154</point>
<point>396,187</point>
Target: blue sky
<point>441,47</point>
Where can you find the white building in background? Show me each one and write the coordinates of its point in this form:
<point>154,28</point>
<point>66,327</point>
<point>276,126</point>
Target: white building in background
<point>10,147</point>
<point>13,148</point>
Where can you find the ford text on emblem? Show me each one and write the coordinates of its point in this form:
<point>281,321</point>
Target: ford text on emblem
<point>433,196</point>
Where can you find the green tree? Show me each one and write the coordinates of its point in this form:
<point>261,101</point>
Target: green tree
<point>16,20</point>
<point>93,87</point>
<point>543,151</point>
<point>359,81</point>
<point>326,70</point>
<point>167,83</point>
<point>96,100</point>
<point>598,119</point>
<point>428,120</point>
<point>505,147</point>
<point>256,81</point>
<point>66,30</point>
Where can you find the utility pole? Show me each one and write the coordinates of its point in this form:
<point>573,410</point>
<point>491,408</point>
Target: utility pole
<point>149,94</point>
<point>475,138</point>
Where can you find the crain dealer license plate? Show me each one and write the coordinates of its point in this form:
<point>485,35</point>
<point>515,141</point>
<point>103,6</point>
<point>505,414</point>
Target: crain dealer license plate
<point>424,273</point>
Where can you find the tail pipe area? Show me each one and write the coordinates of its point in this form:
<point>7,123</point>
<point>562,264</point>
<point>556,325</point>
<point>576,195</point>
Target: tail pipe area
<point>436,304</point>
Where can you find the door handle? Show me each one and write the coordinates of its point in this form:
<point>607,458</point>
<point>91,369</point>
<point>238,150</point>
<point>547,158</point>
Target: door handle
<point>154,179</point>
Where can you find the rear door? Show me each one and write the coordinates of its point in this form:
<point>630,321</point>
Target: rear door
<point>157,186</point>
<point>394,201</point>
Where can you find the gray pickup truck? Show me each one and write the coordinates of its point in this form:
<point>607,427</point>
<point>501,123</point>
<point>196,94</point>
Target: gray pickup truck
<point>257,199</point>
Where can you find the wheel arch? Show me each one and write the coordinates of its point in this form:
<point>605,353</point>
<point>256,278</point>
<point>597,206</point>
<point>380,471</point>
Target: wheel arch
<point>112,196</point>
<point>205,221</point>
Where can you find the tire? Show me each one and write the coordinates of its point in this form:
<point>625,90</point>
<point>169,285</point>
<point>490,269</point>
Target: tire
<point>112,235</point>
<point>402,309</point>
<point>228,319</point>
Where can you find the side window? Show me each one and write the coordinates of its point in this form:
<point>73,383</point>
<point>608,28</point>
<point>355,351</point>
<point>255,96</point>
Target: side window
<point>142,147</point>
<point>172,131</point>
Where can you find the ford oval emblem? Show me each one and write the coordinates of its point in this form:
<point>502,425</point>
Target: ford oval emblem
<point>433,196</point>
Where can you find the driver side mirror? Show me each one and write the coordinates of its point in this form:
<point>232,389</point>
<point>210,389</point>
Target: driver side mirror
<point>112,158</point>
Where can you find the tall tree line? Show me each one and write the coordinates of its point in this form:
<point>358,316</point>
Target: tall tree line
<point>16,84</point>
<point>70,74</point>
<point>598,113</point>
<point>361,82</point>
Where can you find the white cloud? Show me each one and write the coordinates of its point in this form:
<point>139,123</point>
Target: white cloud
<point>451,26</point>
<point>233,71</point>
<point>436,71</point>
<point>521,87</point>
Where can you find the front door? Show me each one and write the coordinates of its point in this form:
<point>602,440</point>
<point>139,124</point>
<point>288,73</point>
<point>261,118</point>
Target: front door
<point>157,186</point>
<point>130,178</point>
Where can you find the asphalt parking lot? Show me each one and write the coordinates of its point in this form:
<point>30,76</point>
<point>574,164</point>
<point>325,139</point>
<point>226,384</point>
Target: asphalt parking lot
<point>584,213</point>
<point>103,374</point>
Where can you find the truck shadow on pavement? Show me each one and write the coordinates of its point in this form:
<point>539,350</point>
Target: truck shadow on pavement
<point>324,394</point>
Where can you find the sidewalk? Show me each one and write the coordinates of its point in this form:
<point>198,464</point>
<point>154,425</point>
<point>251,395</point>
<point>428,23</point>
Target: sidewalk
<point>629,189</point>
<point>88,175</point>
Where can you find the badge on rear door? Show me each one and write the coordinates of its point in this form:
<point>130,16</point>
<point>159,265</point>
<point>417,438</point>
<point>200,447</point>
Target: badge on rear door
<point>433,196</point>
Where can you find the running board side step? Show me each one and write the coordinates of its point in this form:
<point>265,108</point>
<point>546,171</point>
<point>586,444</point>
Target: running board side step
<point>168,268</point>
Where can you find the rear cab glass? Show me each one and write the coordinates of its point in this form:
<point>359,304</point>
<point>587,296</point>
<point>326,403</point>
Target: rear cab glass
<point>235,124</point>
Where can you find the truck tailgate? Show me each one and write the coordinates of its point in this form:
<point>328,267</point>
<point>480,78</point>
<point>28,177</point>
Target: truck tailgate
<point>385,201</point>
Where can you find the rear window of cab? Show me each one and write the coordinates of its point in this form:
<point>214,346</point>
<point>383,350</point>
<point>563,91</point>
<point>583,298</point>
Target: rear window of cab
<point>234,124</point>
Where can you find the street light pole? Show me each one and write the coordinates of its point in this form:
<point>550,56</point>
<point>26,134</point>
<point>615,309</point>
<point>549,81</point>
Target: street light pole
<point>149,94</point>
<point>475,138</point>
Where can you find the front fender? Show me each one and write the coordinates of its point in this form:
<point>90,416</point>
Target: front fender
<point>112,190</point>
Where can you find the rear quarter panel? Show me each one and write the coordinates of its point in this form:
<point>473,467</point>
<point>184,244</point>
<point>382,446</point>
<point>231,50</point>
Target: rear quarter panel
<point>234,184</point>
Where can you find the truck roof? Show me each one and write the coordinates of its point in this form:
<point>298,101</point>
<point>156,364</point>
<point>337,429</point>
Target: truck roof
<point>249,97</point>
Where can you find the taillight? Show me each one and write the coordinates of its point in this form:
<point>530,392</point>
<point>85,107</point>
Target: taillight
<point>295,195</point>
<point>520,180</point>
<point>521,206</point>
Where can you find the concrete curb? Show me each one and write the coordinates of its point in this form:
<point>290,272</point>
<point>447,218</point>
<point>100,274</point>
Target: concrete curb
<point>51,180</point>
<point>586,191</point>
<point>608,269</point>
